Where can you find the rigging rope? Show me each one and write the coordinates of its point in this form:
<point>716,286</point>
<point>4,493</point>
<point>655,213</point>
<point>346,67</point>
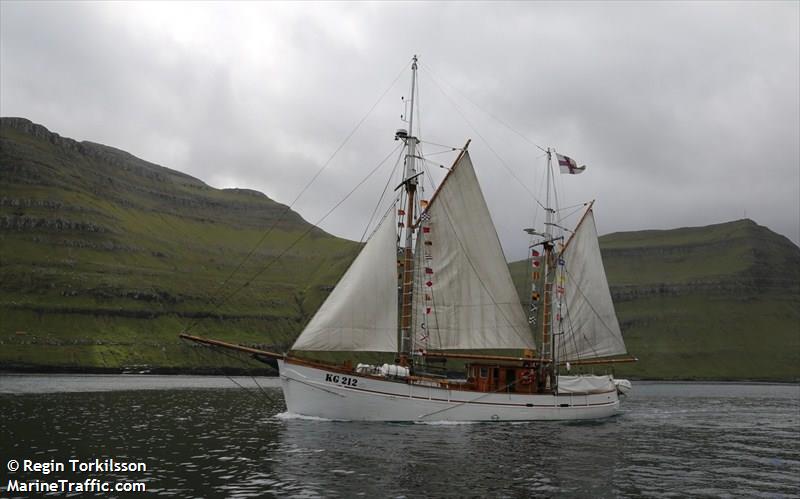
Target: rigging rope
<point>502,161</point>
<point>380,199</point>
<point>596,313</point>
<point>578,205</point>
<point>486,112</point>
<point>302,191</point>
<point>308,230</point>
<point>450,148</point>
<point>230,378</point>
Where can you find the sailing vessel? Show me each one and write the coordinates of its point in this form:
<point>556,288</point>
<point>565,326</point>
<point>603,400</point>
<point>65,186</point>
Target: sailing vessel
<point>432,283</point>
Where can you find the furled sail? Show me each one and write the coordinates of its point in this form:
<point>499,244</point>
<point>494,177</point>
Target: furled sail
<point>589,323</point>
<point>361,312</point>
<point>464,297</point>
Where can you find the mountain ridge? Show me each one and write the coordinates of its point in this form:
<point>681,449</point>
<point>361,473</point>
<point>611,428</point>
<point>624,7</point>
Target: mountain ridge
<point>105,258</point>
<point>720,301</point>
<point>104,254</point>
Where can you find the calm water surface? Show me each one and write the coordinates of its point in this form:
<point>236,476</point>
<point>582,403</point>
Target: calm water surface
<point>208,437</point>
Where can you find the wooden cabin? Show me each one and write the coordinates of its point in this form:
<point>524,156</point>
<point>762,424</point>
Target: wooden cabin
<point>503,378</point>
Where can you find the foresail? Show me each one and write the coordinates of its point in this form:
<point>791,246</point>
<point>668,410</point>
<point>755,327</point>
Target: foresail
<point>589,322</point>
<point>464,297</point>
<point>361,312</point>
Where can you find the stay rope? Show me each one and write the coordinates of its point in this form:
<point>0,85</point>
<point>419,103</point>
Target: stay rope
<point>302,236</point>
<point>233,380</point>
<point>288,207</point>
<point>436,80</point>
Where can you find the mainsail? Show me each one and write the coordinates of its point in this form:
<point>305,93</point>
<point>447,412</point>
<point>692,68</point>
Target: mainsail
<point>464,297</point>
<point>589,323</point>
<point>361,312</point>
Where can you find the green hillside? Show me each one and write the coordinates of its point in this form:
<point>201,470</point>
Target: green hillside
<point>715,302</point>
<point>105,258</point>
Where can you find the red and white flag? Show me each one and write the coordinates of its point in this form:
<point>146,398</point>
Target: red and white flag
<point>568,165</point>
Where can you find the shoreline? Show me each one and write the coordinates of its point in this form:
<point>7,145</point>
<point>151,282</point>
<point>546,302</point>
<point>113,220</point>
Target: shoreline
<point>143,370</point>
<point>267,372</point>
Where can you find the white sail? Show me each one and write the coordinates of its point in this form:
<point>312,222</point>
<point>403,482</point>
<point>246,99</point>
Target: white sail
<point>589,322</point>
<point>361,312</point>
<point>464,294</point>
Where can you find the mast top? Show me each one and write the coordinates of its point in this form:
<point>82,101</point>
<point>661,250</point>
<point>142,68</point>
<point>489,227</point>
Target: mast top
<point>408,136</point>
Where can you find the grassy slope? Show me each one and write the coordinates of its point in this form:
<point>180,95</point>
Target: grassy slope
<point>105,258</point>
<point>705,302</point>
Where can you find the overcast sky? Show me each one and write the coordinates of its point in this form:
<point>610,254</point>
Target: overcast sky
<point>685,113</point>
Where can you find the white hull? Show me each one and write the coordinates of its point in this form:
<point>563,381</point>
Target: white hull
<point>312,391</point>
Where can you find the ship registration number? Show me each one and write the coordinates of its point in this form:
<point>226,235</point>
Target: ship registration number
<point>341,380</point>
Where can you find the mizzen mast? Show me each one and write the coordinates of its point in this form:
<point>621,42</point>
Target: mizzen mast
<point>547,321</point>
<point>547,350</point>
<point>410,182</point>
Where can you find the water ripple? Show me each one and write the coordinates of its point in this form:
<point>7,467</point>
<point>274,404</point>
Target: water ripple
<point>669,441</point>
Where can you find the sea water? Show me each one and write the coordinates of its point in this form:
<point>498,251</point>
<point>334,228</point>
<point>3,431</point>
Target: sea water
<point>220,437</point>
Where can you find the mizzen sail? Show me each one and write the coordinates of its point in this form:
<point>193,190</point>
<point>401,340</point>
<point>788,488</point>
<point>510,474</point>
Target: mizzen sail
<point>589,323</point>
<point>361,312</point>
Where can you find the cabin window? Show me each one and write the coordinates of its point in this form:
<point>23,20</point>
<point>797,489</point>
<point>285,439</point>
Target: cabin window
<point>484,372</point>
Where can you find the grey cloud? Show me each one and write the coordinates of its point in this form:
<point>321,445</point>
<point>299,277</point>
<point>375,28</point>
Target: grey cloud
<point>686,113</point>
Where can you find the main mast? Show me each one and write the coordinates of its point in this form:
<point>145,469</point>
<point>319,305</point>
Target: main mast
<point>410,182</point>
